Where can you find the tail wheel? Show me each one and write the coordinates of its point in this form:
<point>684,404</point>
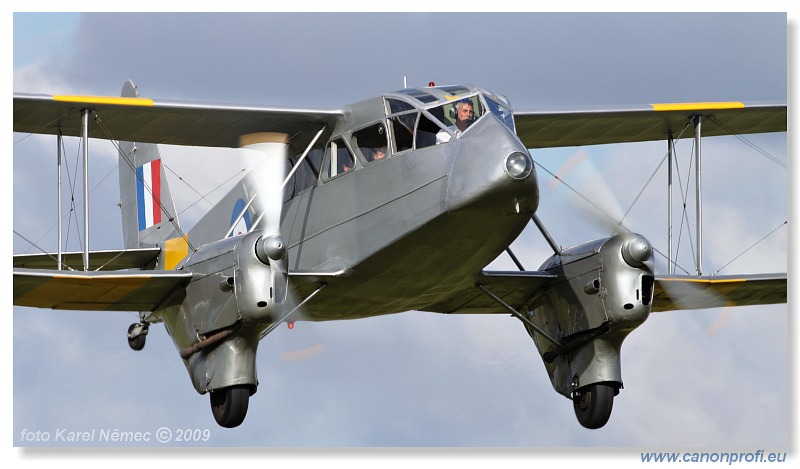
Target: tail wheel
<point>229,405</point>
<point>593,404</point>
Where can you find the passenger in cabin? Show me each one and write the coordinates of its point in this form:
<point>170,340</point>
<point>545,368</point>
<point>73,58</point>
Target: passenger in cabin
<point>378,153</point>
<point>465,114</point>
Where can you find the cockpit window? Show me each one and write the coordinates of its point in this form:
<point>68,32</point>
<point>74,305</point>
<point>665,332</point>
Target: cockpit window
<point>397,106</point>
<point>419,95</point>
<point>371,142</point>
<point>454,90</point>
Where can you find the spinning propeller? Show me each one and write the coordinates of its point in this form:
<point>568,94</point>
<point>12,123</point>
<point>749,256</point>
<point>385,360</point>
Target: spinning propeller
<point>589,193</point>
<point>266,182</point>
<point>262,286</point>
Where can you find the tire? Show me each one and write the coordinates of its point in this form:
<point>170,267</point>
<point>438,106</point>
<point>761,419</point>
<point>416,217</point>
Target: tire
<point>229,405</point>
<point>138,342</point>
<point>593,404</point>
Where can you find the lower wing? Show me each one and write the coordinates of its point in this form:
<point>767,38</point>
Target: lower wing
<point>687,292</point>
<point>671,292</point>
<point>96,291</point>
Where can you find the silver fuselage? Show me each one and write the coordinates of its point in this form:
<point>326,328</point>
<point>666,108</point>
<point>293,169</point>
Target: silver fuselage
<point>413,229</point>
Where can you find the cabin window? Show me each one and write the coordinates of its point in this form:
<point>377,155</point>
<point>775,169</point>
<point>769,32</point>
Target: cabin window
<point>371,142</point>
<point>426,132</point>
<point>403,130</point>
<point>402,122</point>
<point>338,159</point>
<point>308,172</point>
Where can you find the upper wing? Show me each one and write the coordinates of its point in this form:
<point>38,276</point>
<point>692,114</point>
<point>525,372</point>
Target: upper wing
<point>95,291</point>
<point>687,292</point>
<point>176,123</point>
<point>575,127</point>
<point>514,288</point>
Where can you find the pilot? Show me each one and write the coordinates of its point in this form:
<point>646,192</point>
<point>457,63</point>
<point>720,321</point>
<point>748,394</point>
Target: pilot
<point>465,114</point>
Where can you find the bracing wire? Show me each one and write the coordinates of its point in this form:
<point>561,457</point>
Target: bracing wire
<point>586,199</point>
<point>750,144</point>
<point>170,217</point>
<point>752,246</point>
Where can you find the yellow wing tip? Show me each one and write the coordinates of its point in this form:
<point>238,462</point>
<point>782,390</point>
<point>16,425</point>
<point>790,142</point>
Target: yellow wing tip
<point>104,100</point>
<point>704,280</point>
<point>705,106</point>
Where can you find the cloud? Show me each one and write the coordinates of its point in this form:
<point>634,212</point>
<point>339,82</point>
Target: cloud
<point>417,378</point>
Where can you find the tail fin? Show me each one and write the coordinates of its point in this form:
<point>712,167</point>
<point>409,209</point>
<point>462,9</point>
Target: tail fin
<point>148,212</point>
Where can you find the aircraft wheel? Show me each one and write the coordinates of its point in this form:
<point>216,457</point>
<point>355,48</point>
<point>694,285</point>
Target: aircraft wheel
<point>593,404</point>
<point>137,342</point>
<point>229,405</point>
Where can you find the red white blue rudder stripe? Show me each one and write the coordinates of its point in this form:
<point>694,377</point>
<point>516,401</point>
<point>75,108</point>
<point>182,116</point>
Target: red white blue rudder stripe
<point>148,194</point>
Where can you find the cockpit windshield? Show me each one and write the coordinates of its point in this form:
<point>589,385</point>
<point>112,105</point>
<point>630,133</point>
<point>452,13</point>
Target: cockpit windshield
<point>425,117</point>
<point>459,113</point>
<point>502,111</point>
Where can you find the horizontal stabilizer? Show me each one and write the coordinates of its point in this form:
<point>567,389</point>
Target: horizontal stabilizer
<point>98,260</point>
<point>688,292</point>
<point>96,291</point>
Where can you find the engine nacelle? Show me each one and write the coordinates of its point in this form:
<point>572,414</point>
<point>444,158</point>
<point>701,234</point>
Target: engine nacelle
<point>233,281</point>
<point>236,291</point>
<point>604,291</point>
<point>259,278</point>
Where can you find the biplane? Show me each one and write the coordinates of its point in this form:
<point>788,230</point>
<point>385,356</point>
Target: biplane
<point>391,204</point>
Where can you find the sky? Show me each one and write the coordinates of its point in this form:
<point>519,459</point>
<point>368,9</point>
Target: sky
<point>714,378</point>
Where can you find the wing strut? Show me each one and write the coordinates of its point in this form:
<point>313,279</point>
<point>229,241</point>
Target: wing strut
<point>286,316</point>
<point>59,143</point>
<point>670,155</point>
<point>85,123</point>
<point>515,259</point>
<point>699,195</point>
<point>519,316</point>
<point>546,234</point>
<point>302,157</point>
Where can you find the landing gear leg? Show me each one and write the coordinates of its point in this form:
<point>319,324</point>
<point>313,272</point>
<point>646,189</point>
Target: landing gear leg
<point>137,333</point>
<point>593,404</point>
<point>229,405</point>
